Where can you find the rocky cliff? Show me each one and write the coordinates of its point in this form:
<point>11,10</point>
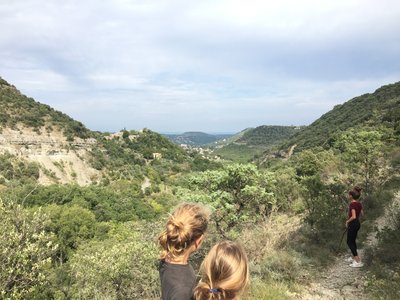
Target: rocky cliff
<point>60,161</point>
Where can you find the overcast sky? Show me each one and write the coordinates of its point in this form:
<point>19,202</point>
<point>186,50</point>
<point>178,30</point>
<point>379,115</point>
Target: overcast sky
<point>205,65</point>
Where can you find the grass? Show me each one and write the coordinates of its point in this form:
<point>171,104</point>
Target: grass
<point>271,290</point>
<point>277,271</point>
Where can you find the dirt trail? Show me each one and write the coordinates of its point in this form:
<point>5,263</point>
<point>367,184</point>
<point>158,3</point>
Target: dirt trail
<point>146,183</point>
<point>340,281</point>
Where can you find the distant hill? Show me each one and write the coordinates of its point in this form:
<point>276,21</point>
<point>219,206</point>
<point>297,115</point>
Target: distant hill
<point>230,140</point>
<point>379,109</point>
<point>251,142</point>
<point>195,138</point>
<point>268,135</point>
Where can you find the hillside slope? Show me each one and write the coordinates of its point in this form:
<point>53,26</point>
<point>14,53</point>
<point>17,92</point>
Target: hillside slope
<point>18,110</point>
<point>64,150</point>
<point>268,135</point>
<point>232,139</point>
<point>58,160</point>
<point>381,108</point>
<point>252,142</point>
<point>36,133</point>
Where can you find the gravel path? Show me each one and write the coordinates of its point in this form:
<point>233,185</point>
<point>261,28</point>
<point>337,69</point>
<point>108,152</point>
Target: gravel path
<point>340,281</point>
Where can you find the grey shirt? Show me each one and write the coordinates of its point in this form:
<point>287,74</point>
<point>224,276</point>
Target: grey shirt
<point>177,281</point>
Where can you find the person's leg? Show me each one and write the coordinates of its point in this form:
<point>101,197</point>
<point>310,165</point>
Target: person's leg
<point>351,240</point>
<point>356,228</point>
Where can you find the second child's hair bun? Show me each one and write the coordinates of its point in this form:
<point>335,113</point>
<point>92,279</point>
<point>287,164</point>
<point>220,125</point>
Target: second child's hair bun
<point>224,273</point>
<point>205,292</point>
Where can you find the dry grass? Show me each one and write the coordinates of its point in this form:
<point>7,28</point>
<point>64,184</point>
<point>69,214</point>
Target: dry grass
<point>265,239</point>
<point>274,267</point>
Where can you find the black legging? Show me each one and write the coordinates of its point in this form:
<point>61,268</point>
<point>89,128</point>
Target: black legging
<point>352,230</point>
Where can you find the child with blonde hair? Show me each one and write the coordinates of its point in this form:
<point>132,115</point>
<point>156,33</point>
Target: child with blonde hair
<point>224,273</point>
<point>183,235</point>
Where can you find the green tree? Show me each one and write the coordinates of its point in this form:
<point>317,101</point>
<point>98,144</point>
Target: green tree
<point>362,150</point>
<point>238,194</point>
<point>125,134</point>
<point>318,174</point>
<point>324,210</point>
<point>72,225</point>
<point>287,189</point>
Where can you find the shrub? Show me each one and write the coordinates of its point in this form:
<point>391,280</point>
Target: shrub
<point>120,267</point>
<point>25,251</point>
<point>72,225</point>
<point>389,238</point>
<point>323,212</point>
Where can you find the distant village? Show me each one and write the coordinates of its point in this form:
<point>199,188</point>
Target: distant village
<point>204,152</point>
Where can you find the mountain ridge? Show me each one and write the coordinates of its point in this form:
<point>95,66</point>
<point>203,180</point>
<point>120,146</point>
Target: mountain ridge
<point>378,109</point>
<point>252,142</point>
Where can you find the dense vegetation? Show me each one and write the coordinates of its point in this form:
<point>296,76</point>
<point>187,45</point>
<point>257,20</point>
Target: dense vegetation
<point>122,154</point>
<point>268,135</point>
<point>12,168</point>
<point>380,109</point>
<point>17,109</point>
<point>99,241</point>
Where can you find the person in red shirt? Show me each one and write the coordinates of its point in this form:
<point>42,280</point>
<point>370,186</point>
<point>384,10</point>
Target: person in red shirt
<point>353,225</point>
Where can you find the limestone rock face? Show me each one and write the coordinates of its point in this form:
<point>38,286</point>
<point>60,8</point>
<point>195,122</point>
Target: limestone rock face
<point>66,161</point>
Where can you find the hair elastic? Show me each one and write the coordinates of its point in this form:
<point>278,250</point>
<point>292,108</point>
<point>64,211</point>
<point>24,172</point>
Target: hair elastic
<point>214,290</point>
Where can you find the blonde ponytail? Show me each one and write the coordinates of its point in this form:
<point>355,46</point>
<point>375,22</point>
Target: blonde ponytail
<point>187,223</point>
<point>224,273</point>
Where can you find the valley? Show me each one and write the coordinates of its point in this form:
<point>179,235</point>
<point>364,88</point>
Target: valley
<point>81,210</point>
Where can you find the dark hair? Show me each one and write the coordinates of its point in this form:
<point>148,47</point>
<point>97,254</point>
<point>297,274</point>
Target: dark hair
<point>355,193</point>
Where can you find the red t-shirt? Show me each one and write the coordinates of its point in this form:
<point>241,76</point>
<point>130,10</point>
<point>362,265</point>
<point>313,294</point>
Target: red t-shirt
<point>357,206</point>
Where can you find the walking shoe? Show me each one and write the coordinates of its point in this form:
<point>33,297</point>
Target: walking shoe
<point>356,264</point>
<point>349,259</point>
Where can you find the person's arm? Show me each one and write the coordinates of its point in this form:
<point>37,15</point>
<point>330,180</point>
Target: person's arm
<point>353,216</point>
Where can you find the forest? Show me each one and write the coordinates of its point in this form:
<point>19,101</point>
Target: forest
<point>99,241</point>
